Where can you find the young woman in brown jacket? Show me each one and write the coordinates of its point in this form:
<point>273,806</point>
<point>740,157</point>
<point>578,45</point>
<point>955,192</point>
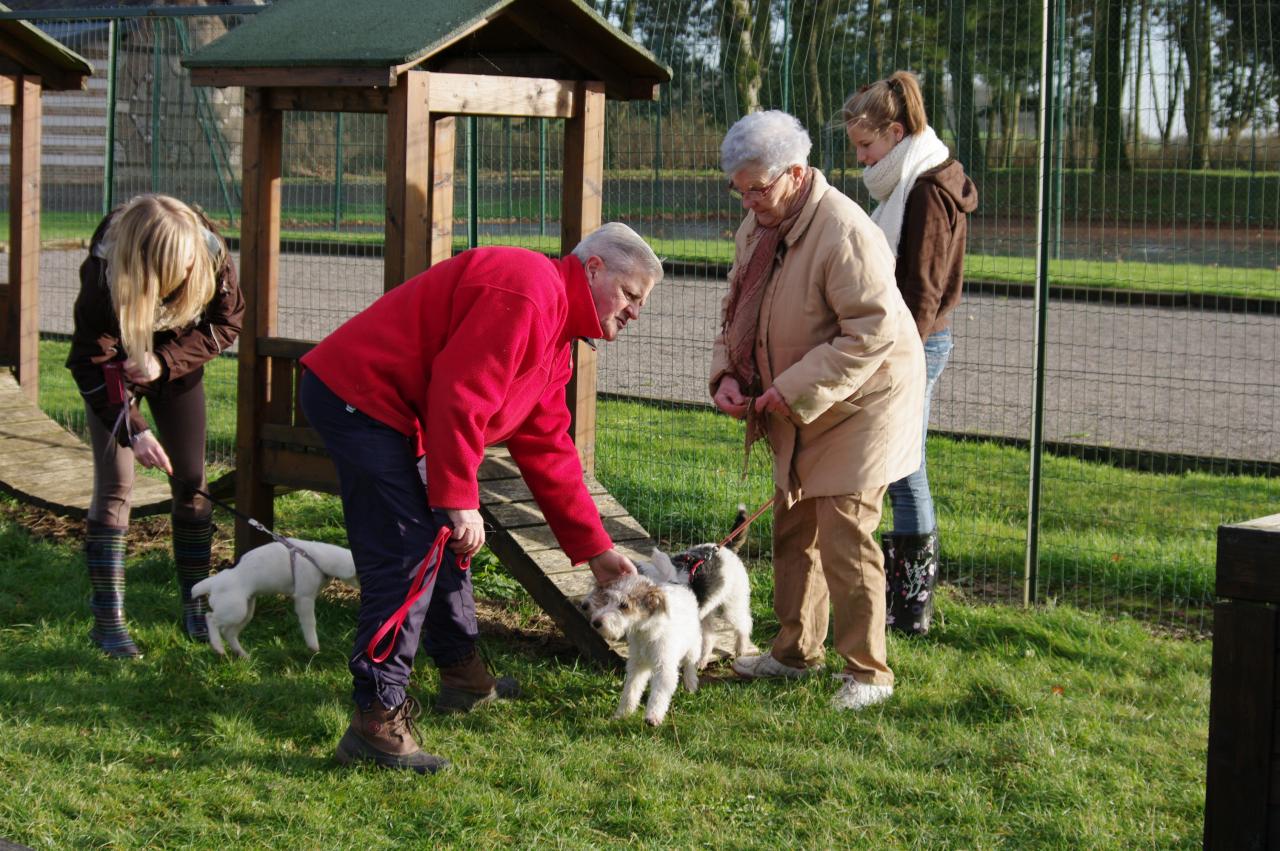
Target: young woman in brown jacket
<point>923,199</point>
<point>158,299</point>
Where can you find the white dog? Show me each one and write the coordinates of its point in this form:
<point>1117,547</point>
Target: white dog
<point>664,637</point>
<point>719,581</point>
<point>270,569</point>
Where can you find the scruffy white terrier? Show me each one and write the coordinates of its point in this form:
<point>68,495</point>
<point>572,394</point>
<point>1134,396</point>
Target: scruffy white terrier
<point>271,568</point>
<point>664,636</point>
<point>719,582</point>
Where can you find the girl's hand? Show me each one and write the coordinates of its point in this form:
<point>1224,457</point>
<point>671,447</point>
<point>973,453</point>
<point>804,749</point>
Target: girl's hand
<point>149,452</point>
<point>142,372</point>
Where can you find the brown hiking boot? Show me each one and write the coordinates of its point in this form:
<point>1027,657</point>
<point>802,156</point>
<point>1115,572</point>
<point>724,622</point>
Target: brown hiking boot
<point>387,737</point>
<point>468,685</point>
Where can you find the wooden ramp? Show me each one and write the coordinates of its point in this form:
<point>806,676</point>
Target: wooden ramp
<point>44,464</point>
<point>521,538</point>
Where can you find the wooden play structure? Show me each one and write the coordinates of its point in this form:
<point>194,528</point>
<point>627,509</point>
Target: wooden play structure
<point>40,461</point>
<point>424,65</point>
<point>31,63</point>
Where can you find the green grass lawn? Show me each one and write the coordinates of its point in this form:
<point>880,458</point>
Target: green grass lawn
<point>1009,729</point>
<point>1113,539</point>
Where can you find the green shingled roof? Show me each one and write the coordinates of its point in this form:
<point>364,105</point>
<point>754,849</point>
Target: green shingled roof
<point>382,33</point>
<point>59,66</point>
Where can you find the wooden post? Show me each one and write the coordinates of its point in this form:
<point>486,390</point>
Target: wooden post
<point>408,164</point>
<point>1242,804</point>
<point>581,205</point>
<point>440,212</point>
<point>22,348</point>
<point>259,278</point>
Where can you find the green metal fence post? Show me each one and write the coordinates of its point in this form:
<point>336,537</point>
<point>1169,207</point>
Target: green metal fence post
<point>337,174</point>
<point>156,24</point>
<point>109,157</point>
<point>473,179</point>
<point>1044,225</point>
<point>542,177</point>
<point>786,55</point>
<point>510,213</point>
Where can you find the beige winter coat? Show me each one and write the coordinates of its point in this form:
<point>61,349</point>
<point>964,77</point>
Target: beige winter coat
<point>842,349</point>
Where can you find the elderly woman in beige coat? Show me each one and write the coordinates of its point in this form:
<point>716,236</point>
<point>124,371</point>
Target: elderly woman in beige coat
<point>820,355</point>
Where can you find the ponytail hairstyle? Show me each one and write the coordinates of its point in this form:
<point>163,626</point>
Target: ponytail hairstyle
<point>875,106</point>
<point>160,268</point>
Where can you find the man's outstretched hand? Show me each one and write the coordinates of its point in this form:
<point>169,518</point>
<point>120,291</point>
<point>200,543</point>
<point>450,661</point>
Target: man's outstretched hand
<point>610,566</point>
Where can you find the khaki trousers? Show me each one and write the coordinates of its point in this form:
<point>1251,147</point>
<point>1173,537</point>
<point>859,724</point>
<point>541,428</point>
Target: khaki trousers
<point>825,555</point>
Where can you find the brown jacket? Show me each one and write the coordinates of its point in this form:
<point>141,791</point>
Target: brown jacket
<point>930,269</point>
<point>182,352</point>
<point>837,341</point>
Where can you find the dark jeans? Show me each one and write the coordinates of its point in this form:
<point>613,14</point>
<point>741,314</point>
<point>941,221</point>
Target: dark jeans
<point>390,529</point>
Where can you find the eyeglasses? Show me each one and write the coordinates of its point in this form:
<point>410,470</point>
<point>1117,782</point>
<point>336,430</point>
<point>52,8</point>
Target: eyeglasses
<point>753,194</point>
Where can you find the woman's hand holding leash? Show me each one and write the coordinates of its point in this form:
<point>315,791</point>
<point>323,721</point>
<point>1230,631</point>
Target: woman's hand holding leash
<point>468,531</point>
<point>149,452</point>
<point>771,400</point>
<point>729,398</point>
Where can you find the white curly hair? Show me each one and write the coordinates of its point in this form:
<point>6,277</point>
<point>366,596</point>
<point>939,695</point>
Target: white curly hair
<point>772,140</point>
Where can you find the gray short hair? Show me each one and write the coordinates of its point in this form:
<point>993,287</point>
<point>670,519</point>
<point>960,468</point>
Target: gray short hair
<point>773,140</point>
<point>621,249</point>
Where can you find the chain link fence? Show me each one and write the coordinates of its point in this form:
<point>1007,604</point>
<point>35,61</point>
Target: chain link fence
<point>1112,396</point>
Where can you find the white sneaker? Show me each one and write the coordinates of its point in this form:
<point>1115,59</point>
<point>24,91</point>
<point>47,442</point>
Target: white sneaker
<point>765,666</point>
<point>855,695</point>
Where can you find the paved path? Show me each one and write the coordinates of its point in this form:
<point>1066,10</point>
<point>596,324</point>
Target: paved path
<point>1155,379</point>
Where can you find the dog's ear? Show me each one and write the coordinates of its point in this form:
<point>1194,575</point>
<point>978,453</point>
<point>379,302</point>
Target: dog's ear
<point>652,600</point>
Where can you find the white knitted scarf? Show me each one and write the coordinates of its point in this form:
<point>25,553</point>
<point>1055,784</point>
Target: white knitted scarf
<point>890,180</point>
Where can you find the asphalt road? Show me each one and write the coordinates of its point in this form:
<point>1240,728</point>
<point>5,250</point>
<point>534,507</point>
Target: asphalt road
<point>1148,378</point>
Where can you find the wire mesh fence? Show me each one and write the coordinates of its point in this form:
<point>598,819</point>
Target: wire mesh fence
<point>1158,281</point>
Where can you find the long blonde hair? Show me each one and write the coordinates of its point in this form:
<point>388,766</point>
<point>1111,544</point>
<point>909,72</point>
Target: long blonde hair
<point>877,105</point>
<point>150,244</point>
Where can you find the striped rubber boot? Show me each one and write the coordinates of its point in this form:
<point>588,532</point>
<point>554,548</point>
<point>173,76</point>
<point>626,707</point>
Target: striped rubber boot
<point>104,556</point>
<point>192,541</point>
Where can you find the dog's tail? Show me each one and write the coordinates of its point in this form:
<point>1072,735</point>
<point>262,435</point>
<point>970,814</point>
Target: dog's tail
<point>202,588</point>
<point>736,544</point>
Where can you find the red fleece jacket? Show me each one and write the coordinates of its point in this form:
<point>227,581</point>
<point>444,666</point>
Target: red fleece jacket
<point>476,351</point>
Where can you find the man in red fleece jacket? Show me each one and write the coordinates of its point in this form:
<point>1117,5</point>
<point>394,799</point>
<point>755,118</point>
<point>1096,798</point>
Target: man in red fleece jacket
<point>473,352</point>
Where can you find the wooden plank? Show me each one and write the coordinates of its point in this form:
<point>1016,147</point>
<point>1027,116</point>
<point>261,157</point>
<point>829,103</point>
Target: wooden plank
<point>284,347</point>
<point>547,595</point>
<point>9,89</point>
<point>23,320</point>
<point>1248,566</point>
<point>259,271</point>
<point>299,470</point>
<point>311,99</point>
<point>620,529</point>
<point>408,164</point>
<point>1241,718</point>
<point>489,94</point>
<point>440,204</point>
<point>497,467</point>
<point>293,437</point>
<point>582,203</point>
<point>269,78</point>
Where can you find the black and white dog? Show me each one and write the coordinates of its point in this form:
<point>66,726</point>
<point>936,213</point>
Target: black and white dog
<point>718,579</point>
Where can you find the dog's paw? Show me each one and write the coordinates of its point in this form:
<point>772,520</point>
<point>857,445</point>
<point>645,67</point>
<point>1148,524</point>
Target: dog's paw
<point>653,720</point>
<point>705,661</point>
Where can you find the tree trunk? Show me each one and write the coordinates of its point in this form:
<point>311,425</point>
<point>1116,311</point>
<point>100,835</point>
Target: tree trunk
<point>1108,124</point>
<point>960,64</point>
<point>1196,41</point>
<point>738,46</point>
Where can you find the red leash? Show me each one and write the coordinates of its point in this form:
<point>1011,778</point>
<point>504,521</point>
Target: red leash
<point>738,530</point>
<point>421,585</point>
